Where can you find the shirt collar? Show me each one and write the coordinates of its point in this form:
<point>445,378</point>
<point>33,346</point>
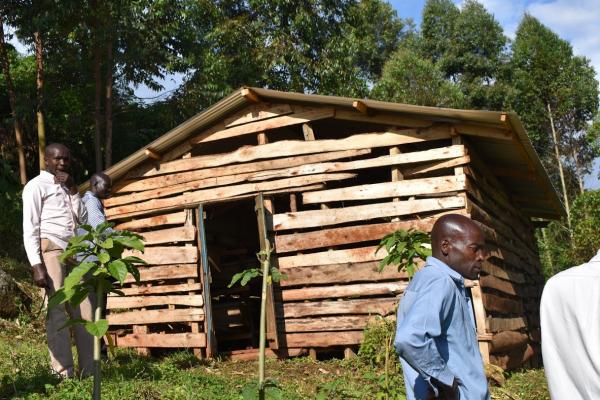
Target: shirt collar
<point>47,176</point>
<point>445,268</point>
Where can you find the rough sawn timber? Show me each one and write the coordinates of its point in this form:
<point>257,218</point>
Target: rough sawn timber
<point>207,195</point>
<point>334,216</point>
<point>287,148</point>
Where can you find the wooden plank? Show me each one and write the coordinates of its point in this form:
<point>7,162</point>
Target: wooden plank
<point>435,166</point>
<point>340,291</point>
<point>501,304</point>
<point>161,289</point>
<point>489,281</point>
<point>323,339</point>
<point>171,235</point>
<point>156,316</point>
<point>479,311</point>
<point>325,324</point>
<point>505,341</point>
<point>484,131</point>
<point>114,302</point>
<point>257,112</point>
<point>351,234</point>
<point>166,255</point>
<point>175,178</point>
<point>339,273</point>
<point>495,324</point>
<point>504,273</point>
<point>315,218</point>
<point>164,272</point>
<point>207,195</point>
<point>171,340</point>
<point>411,187</point>
<point>157,220</point>
<point>383,161</point>
<point>261,126</point>
<point>383,119</point>
<point>381,307</point>
<point>362,254</point>
<point>287,148</point>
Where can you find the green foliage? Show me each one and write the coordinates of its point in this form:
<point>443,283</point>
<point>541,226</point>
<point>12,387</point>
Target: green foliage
<point>377,350</point>
<point>404,247</point>
<point>272,391</point>
<point>100,253</point>
<point>10,211</point>
<point>562,248</point>
<point>408,78</point>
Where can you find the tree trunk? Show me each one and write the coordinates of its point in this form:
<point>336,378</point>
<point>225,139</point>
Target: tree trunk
<point>108,105</point>
<point>41,128</point>
<point>578,171</point>
<point>560,167</point>
<point>13,104</point>
<point>98,89</point>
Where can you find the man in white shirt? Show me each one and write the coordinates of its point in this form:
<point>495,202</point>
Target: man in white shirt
<point>570,317</point>
<point>52,209</point>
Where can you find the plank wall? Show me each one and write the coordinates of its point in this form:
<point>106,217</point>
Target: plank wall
<point>166,308</point>
<point>511,280</point>
<point>336,181</point>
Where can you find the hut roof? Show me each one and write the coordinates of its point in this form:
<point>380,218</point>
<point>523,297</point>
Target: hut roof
<point>512,159</point>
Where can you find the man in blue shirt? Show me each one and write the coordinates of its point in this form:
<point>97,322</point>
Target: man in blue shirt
<point>436,336</point>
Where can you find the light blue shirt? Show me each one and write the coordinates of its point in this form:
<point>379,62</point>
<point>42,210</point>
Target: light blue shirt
<point>436,335</point>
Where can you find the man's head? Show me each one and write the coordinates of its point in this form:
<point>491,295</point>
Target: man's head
<point>458,241</point>
<point>58,158</point>
<point>101,185</point>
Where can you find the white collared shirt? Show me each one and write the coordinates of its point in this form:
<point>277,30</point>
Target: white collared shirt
<point>49,212</point>
<point>569,311</point>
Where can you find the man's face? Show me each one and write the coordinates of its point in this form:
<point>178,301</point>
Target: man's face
<point>58,159</point>
<point>103,187</point>
<point>466,252</point>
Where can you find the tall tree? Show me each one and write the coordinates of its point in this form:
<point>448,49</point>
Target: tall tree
<point>39,66</point>
<point>556,96</point>
<point>409,78</point>
<point>13,104</point>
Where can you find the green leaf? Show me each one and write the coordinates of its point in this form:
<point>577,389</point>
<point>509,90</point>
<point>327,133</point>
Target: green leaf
<point>130,242</point>
<point>118,269</point>
<point>59,297</point>
<point>134,259</point>
<point>80,294</point>
<point>235,278</point>
<point>97,328</point>
<point>70,252</point>
<point>77,274</point>
<point>107,244</point>
<point>249,274</point>
<point>103,257</point>
<point>71,322</point>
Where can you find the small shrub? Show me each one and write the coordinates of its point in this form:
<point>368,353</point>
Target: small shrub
<point>377,346</point>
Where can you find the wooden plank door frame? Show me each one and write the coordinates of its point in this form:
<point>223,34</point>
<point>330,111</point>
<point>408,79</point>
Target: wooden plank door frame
<point>211,343</point>
<point>263,233</point>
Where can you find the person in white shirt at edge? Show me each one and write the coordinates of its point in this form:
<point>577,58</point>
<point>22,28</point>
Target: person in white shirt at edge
<point>570,319</point>
<point>52,209</point>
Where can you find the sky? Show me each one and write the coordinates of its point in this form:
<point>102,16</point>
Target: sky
<point>573,20</point>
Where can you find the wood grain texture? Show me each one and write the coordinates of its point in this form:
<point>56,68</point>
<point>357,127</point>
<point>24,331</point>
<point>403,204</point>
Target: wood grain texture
<point>157,340</point>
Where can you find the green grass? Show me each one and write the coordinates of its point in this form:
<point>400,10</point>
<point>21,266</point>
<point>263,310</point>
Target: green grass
<point>24,374</point>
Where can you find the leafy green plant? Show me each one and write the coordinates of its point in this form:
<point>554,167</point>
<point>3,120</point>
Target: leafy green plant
<point>377,350</point>
<point>403,247</point>
<point>269,274</point>
<point>100,250</point>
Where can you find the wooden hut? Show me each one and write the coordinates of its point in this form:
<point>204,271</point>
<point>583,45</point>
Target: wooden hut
<point>323,179</point>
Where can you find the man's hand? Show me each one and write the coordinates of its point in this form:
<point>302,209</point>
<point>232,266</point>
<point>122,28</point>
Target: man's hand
<point>40,275</point>
<point>65,180</point>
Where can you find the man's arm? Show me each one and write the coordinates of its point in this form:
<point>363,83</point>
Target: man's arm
<point>416,333</point>
<point>32,212</point>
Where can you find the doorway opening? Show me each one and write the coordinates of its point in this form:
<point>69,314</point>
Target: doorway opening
<point>232,241</point>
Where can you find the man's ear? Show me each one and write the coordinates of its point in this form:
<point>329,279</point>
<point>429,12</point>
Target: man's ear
<point>445,246</point>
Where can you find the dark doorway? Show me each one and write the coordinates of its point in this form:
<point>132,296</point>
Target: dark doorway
<point>232,243</point>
